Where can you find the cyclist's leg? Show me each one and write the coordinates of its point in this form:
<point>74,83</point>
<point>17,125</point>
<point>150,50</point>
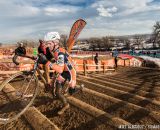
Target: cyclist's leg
<point>59,93</point>
<point>61,97</point>
<point>71,78</point>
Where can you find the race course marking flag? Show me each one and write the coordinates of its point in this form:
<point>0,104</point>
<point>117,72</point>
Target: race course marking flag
<point>74,33</point>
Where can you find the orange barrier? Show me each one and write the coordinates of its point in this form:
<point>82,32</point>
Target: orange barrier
<point>136,62</point>
<point>130,62</point>
<point>90,68</point>
<point>105,63</point>
<point>78,63</point>
<point>108,63</point>
<point>1,56</point>
<point>127,62</point>
<point>120,62</point>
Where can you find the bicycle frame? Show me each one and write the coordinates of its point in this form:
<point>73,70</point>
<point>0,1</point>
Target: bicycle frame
<point>37,69</point>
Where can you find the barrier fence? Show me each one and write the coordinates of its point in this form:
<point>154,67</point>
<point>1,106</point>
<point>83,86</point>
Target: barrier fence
<point>81,65</point>
<point>84,66</point>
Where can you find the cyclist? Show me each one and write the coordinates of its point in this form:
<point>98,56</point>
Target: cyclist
<point>63,66</point>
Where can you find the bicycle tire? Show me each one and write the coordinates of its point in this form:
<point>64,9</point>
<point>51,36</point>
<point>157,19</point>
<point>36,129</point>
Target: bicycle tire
<point>25,102</point>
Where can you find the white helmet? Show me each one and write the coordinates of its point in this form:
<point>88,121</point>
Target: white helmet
<point>51,36</point>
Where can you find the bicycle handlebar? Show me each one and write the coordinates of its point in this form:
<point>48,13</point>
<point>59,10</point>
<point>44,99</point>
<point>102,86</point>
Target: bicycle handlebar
<point>14,59</point>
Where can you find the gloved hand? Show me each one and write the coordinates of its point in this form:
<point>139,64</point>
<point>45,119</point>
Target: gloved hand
<point>71,91</point>
<point>42,59</point>
<point>33,57</point>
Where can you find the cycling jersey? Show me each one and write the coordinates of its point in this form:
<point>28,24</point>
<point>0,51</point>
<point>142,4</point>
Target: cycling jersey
<point>63,62</point>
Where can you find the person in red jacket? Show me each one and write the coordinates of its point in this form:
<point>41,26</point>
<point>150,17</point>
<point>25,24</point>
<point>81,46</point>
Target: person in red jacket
<point>42,49</point>
<point>62,65</point>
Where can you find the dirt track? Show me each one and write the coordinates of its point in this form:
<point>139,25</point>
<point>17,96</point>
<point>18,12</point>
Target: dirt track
<point>134,96</point>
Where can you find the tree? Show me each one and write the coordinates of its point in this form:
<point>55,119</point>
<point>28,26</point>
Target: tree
<point>127,44</point>
<point>138,41</point>
<point>64,40</point>
<point>156,34</point>
<point>93,43</point>
<point>107,42</point>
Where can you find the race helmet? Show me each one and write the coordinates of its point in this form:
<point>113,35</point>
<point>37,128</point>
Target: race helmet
<point>52,36</point>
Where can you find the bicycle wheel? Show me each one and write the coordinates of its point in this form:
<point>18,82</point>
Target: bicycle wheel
<point>17,93</point>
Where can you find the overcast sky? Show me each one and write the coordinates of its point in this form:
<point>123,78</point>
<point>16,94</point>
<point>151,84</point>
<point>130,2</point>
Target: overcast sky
<point>31,19</point>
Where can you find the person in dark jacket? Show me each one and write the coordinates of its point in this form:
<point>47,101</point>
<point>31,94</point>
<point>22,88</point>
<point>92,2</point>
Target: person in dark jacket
<point>19,51</point>
<point>96,60</point>
<point>115,60</point>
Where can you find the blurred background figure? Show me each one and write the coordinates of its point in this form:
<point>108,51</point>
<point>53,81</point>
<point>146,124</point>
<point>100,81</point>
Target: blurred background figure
<point>96,60</point>
<point>19,51</point>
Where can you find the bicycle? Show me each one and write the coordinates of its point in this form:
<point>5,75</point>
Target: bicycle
<point>18,92</point>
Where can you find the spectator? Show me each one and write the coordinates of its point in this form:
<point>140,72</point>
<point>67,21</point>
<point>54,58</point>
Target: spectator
<point>115,53</point>
<point>19,51</point>
<point>115,60</point>
<point>96,60</point>
<point>154,54</point>
<point>148,53</point>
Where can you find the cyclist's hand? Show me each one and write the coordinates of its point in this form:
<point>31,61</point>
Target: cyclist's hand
<point>33,57</point>
<point>42,59</point>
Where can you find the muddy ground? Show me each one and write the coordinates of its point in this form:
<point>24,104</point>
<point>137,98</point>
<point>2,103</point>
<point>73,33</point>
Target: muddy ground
<point>136,81</point>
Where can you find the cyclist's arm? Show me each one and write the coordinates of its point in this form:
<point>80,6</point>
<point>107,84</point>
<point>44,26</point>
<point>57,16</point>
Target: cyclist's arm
<point>58,66</point>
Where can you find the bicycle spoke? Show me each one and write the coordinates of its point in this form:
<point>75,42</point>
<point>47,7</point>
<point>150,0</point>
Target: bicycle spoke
<point>17,94</point>
<point>28,84</point>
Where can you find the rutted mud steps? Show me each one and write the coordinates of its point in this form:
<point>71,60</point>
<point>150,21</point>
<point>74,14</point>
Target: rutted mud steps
<point>140,85</point>
<point>130,81</point>
<point>123,99</point>
<point>120,109</point>
<point>131,78</point>
<point>19,124</point>
<point>135,90</point>
<point>74,118</point>
<point>133,98</point>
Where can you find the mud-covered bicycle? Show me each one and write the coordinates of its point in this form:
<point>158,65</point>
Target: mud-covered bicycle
<point>18,92</point>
